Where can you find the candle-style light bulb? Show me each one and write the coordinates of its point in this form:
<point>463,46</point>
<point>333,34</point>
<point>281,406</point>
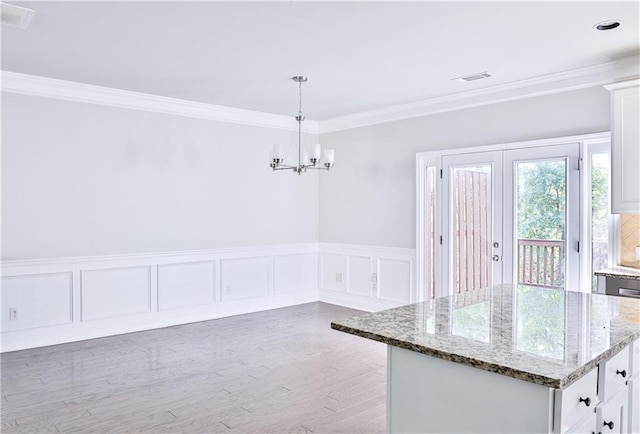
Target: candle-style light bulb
<point>317,151</point>
<point>328,156</point>
<point>275,153</point>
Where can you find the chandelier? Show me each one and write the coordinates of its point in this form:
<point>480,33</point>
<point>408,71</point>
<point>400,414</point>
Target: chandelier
<point>305,161</point>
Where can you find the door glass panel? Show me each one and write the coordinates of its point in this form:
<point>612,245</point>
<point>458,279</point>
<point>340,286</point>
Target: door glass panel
<point>599,213</point>
<point>430,225</point>
<point>541,222</point>
<point>471,227</point>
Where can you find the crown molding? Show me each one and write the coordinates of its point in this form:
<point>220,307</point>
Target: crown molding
<point>591,76</point>
<point>623,84</point>
<point>71,91</point>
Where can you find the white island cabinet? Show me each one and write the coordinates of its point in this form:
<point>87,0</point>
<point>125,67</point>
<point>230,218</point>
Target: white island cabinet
<point>510,359</point>
<point>625,147</point>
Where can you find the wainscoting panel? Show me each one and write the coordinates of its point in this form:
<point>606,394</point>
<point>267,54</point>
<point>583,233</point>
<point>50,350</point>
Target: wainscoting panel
<point>331,271</point>
<point>115,292</point>
<point>295,273</point>
<point>42,300</point>
<point>70,299</point>
<point>394,280</point>
<point>244,278</point>
<point>186,285</point>
<point>359,275</point>
<point>394,276</point>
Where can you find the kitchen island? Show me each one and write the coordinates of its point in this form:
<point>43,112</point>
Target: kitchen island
<point>510,359</point>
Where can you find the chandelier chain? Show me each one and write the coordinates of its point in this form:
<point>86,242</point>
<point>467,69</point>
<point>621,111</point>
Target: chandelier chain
<point>300,98</point>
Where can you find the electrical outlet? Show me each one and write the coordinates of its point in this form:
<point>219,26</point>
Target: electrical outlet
<point>338,277</point>
<point>637,253</point>
<point>13,314</point>
<point>374,281</point>
<point>228,289</point>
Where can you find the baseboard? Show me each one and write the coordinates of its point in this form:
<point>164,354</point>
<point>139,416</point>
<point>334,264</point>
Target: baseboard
<point>359,302</point>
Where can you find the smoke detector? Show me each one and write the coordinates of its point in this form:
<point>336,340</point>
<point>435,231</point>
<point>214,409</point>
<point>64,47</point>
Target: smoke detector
<point>473,77</point>
<point>16,16</point>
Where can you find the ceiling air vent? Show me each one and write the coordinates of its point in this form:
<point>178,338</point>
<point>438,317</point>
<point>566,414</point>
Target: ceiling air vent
<point>473,77</point>
<point>16,16</point>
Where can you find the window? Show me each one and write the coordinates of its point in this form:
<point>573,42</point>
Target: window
<point>599,222</point>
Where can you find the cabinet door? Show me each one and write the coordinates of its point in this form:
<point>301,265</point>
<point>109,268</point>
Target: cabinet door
<point>625,149</point>
<point>613,375</point>
<point>611,416</point>
<point>634,405</point>
<point>586,425</point>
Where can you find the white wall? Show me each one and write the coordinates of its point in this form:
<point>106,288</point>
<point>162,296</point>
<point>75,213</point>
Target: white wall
<point>82,179</point>
<point>369,199</point>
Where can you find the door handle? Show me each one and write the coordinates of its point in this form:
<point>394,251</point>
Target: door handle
<point>495,258</point>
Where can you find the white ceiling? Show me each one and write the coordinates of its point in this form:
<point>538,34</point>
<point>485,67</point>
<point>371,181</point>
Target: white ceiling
<point>359,56</point>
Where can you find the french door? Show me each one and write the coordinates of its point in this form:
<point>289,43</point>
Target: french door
<point>511,217</point>
<point>472,238</point>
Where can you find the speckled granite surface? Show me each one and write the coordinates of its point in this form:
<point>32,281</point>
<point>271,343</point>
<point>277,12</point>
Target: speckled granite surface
<point>544,336</point>
<point>620,273</point>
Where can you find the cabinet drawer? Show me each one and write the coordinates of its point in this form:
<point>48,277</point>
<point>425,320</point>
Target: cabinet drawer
<point>613,375</point>
<point>575,402</point>
<point>612,416</point>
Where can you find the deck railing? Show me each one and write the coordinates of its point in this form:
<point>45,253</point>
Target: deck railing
<point>541,263</point>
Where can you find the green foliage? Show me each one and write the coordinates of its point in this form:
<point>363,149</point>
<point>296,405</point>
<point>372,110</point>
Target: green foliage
<point>542,196</point>
<point>600,197</point>
<point>541,200</point>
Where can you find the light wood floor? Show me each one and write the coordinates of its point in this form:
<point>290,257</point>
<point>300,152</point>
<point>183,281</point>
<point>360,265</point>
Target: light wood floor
<point>278,371</point>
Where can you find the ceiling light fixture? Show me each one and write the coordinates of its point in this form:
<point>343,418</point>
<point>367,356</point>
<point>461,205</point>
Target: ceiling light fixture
<point>608,25</point>
<point>304,161</point>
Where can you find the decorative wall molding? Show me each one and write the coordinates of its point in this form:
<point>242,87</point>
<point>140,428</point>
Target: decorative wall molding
<point>69,299</point>
<point>107,261</point>
<point>368,278</point>
<point>49,295</point>
<point>71,91</point>
<point>591,76</point>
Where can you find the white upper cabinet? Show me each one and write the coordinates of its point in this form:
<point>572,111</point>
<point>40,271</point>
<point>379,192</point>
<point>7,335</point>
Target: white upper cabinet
<point>625,147</point>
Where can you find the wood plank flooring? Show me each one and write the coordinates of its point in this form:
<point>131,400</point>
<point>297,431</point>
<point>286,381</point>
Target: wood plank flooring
<point>278,371</point>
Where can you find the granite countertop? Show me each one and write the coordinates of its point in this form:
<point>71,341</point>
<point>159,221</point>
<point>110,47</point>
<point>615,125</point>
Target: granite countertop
<point>545,336</point>
<point>620,273</point>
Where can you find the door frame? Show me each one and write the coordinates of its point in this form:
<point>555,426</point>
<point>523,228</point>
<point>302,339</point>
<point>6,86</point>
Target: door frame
<point>434,158</point>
